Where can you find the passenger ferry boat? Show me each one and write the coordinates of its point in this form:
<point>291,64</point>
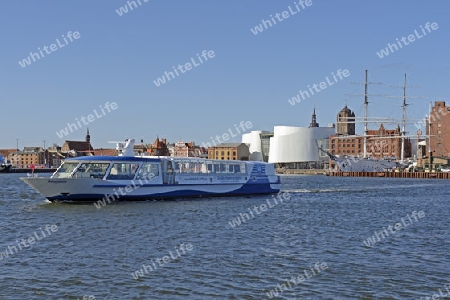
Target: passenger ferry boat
<point>127,177</point>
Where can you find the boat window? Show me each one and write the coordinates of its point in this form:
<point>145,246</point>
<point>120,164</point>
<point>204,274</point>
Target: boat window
<point>148,171</point>
<point>217,167</point>
<point>223,168</point>
<point>237,168</point>
<point>65,170</point>
<point>195,167</point>
<point>122,171</point>
<point>178,167</point>
<point>230,168</point>
<point>243,170</point>
<point>203,167</point>
<point>210,166</point>
<point>91,170</point>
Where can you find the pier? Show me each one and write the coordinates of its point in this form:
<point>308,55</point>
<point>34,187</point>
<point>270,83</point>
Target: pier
<point>417,175</point>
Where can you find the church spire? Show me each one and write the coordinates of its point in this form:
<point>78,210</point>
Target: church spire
<point>313,119</point>
<point>88,136</point>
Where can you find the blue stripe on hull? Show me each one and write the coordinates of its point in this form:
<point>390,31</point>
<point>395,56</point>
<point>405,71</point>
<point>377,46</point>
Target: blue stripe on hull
<point>247,189</point>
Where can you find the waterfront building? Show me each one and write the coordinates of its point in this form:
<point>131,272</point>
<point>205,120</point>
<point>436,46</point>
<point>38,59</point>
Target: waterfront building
<point>346,122</point>
<point>158,148</point>
<point>28,156</point>
<point>440,130</point>
<point>105,152</point>
<point>297,147</point>
<point>182,149</point>
<point>229,151</point>
<point>259,144</point>
<point>54,156</point>
<point>78,148</point>
<point>6,152</point>
<point>140,149</point>
<point>380,143</point>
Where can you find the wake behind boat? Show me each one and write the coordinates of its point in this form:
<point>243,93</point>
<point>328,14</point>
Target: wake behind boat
<point>126,177</point>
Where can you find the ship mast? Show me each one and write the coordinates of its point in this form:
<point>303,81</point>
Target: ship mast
<point>366,104</point>
<point>429,139</point>
<point>402,155</point>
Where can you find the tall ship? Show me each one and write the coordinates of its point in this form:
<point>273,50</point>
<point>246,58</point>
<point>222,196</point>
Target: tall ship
<point>128,178</point>
<point>362,162</point>
<point>5,166</point>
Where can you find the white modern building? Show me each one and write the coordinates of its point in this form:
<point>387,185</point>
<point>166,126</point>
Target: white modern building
<point>256,140</point>
<point>291,146</point>
<point>299,144</point>
<point>297,147</point>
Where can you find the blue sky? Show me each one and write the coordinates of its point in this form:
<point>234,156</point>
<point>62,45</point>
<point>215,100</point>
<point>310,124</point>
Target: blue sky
<point>250,78</point>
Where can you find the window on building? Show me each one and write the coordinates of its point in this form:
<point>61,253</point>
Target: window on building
<point>222,153</point>
<point>439,125</point>
<point>234,153</point>
<point>439,132</point>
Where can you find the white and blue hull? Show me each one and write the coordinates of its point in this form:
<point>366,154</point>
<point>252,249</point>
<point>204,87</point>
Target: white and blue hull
<point>82,190</point>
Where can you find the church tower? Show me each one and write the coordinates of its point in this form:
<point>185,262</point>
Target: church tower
<point>346,122</point>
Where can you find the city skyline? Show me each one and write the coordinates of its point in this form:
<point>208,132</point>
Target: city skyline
<point>96,56</point>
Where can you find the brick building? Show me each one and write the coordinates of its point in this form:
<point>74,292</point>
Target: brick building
<point>29,156</point>
<point>159,148</point>
<point>78,148</point>
<point>440,130</point>
<point>381,142</point>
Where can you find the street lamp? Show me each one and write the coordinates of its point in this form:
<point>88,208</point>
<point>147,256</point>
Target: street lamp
<point>45,158</point>
<point>17,153</point>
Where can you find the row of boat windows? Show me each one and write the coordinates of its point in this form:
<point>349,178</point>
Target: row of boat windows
<point>205,167</point>
<point>123,171</point>
<point>147,171</point>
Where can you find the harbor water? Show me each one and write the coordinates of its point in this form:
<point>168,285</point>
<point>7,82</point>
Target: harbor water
<point>321,238</point>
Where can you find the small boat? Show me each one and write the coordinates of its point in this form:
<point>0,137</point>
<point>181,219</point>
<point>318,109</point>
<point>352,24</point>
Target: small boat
<point>445,169</point>
<point>5,167</point>
<point>129,178</point>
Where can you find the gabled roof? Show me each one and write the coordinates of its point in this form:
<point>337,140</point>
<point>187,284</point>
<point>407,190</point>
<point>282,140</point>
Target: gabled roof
<point>6,152</point>
<point>79,146</point>
<point>105,152</point>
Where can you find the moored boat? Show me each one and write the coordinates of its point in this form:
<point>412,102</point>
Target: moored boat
<point>5,167</point>
<point>126,177</point>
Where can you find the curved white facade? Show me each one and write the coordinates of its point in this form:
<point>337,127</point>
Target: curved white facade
<point>253,139</point>
<point>297,144</point>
